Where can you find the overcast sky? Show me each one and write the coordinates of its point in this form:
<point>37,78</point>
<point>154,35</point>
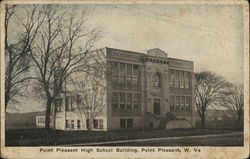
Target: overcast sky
<point>209,35</point>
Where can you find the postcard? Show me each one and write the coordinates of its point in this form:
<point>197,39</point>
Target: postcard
<point>124,79</point>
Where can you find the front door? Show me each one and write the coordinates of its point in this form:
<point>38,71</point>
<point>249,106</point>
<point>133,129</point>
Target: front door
<point>157,106</point>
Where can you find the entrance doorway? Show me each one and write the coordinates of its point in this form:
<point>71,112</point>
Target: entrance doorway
<point>157,106</point>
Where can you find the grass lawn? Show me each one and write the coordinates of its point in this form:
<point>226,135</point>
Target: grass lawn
<point>36,137</point>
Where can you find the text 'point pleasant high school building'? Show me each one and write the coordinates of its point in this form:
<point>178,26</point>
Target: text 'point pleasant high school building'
<point>146,91</point>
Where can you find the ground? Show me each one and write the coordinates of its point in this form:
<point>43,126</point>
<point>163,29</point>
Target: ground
<point>201,140</point>
<point>36,137</point>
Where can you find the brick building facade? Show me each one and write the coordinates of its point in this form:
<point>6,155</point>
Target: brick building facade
<point>143,90</point>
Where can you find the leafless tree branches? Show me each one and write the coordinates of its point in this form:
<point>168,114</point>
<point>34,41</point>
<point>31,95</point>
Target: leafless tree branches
<point>209,90</point>
<point>57,40</point>
<point>89,84</point>
<point>17,51</point>
<point>234,99</point>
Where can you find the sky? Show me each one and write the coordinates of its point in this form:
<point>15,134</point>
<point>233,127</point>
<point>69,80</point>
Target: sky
<point>209,35</point>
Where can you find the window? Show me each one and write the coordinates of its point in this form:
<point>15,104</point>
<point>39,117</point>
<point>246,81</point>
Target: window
<point>124,74</point>
<point>72,124</point>
<point>187,103</point>
<point>88,124</point>
<point>177,103</point>
<point>123,123</point>
<point>135,75</point>
<point>95,124</point>
<point>122,101</point>
<point>78,100</point>
<point>129,101</point>
<point>135,70</point>
<point>115,100</point>
<point>58,104</point>
<point>129,123</point>
<point>181,75</point>
<point>128,78</point>
<point>177,79</point>
<point>187,79</point>
<point>157,106</point>
<point>121,73</point>
<point>172,78</point>
<point>156,80</point>
<point>126,123</point>
<point>78,124</point>
<point>136,101</point>
<point>172,103</point>
<point>114,72</point>
<point>68,124</point>
<point>182,105</point>
<point>98,123</point>
<point>41,119</point>
<point>135,81</point>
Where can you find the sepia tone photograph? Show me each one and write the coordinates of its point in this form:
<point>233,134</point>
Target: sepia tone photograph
<point>118,76</point>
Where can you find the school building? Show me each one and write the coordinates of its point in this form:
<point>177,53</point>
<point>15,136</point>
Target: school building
<point>143,91</point>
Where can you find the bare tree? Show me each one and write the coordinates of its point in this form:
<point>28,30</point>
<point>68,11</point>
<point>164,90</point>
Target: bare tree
<point>209,90</point>
<point>234,99</point>
<point>62,42</point>
<point>89,86</point>
<point>17,48</point>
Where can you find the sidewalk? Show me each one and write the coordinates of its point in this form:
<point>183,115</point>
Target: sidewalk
<point>155,139</point>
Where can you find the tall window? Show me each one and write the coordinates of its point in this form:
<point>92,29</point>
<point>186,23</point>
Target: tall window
<point>115,100</point>
<point>98,124</point>
<point>67,123</point>
<point>187,79</point>
<point>78,100</point>
<point>172,78</point>
<point>156,80</point>
<point>177,103</point>
<point>177,79</point>
<point>181,74</point>
<point>172,103</point>
<point>187,104</point>
<point>121,79</point>
<point>129,101</point>
<point>136,101</point>
<point>72,124</point>
<point>128,78</point>
<point>182,103</point>
<point>78,124</point>
<point>135,75</point>
<point>122,101</point>
<point>88,126</point>
<point>58,104</point>
<point>114,69</point>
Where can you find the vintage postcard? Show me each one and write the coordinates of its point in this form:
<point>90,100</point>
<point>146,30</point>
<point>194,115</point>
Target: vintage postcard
<point>124,79</point>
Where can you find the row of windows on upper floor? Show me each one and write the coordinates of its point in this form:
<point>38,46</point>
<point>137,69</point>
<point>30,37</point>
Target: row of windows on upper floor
<point>180,79</point>
<point>128,75</point>
<point>71,102</point>
<point>125,74</point>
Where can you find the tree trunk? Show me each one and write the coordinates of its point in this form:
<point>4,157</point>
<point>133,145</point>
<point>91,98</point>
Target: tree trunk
<point>47,116</point>
<point>239,116</point>
<point>7,98</point>
<point>203,122</point>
